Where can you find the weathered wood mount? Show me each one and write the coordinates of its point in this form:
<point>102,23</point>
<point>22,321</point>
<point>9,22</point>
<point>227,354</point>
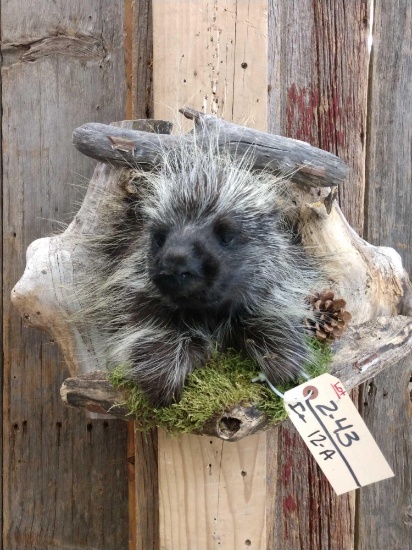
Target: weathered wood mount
<point>376,288</point>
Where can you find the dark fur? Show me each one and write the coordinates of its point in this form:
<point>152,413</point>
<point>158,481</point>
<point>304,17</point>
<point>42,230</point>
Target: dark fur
<point>199,260</point>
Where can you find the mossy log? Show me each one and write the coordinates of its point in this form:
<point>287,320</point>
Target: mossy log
<point>360,355</point>
<point>370,279</point>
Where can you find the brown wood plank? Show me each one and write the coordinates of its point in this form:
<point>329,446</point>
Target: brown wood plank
<point>1,322</point>
<point>65,477</point>
<point>142,60</point>
<point>318,87</point>
<point>147,491</point>
<point>385,509</point>
<point>317,93</point>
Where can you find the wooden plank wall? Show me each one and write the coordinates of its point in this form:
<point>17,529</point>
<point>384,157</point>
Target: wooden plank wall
<point>384,511</point>
<point>65,480</point>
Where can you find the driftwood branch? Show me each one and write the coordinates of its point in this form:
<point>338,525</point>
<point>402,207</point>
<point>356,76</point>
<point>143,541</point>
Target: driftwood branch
<point>364,352</point>
<point>306,164</point>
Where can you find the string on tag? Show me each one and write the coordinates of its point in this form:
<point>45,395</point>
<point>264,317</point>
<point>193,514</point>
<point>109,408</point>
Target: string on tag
<point>261,377</point>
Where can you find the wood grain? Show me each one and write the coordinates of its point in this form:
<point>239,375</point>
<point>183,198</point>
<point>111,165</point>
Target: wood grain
<point>221,503</point>
<point>65,479</point>
<point>143,481</point>
<point>142,59</point>
<point>385,509</point>
<point>147,490</point>
<point>318,81</point>
<point>317,93</point>
<point>212,56</point>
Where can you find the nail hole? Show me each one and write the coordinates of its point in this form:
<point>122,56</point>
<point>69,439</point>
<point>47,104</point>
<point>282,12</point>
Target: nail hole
<point>244,65</point>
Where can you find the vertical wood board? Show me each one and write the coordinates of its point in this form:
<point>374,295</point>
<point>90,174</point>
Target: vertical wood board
<point>318,78</point>
<point>211,493</point>
<point>65,477</point>
<point>142,59</point>
<point>318,81</point>
<point>389,164</point>
<point>198,51</point>
<point>385,509</point>
<point>143,481</point>
<point>211,55</point>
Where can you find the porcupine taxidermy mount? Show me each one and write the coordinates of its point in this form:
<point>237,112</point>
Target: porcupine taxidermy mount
<point>194,258</point>
<point>185,249</point>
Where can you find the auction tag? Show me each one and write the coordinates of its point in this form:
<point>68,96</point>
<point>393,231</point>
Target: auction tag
<point>335,433</point>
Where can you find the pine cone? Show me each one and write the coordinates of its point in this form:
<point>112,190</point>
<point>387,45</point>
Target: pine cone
<point>331,319</point>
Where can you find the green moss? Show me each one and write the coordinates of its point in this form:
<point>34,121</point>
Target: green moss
<point>225,381</point>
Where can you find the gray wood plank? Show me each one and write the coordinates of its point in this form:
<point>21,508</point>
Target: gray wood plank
<point>317,92</point>
<point>389,164</point>
<point>385,509</point>
<point>65,477</point>
<point>1,326</point>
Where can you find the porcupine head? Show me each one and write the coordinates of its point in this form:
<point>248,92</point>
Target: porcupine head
<point>200,258</point>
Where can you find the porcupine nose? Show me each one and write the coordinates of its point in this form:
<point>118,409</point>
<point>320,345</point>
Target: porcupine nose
<point>177,270</point>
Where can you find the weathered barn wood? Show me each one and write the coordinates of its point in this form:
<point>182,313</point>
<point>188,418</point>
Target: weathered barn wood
<point>143,478</point>
<point>384,511</point>
<point>317,92</point>
<point>65,483</point>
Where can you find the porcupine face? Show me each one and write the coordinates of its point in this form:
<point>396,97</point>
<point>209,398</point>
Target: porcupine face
<point>209,225</point>
<point>200,267</point>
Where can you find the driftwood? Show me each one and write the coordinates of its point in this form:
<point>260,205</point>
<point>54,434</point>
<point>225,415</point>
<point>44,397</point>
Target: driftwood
<point>370,279</point>
<point>365,351</point>
<point>306,164</point>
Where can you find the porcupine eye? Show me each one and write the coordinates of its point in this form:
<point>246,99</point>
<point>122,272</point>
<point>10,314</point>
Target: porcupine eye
<point>225,232</point>
<point>159,238</point>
